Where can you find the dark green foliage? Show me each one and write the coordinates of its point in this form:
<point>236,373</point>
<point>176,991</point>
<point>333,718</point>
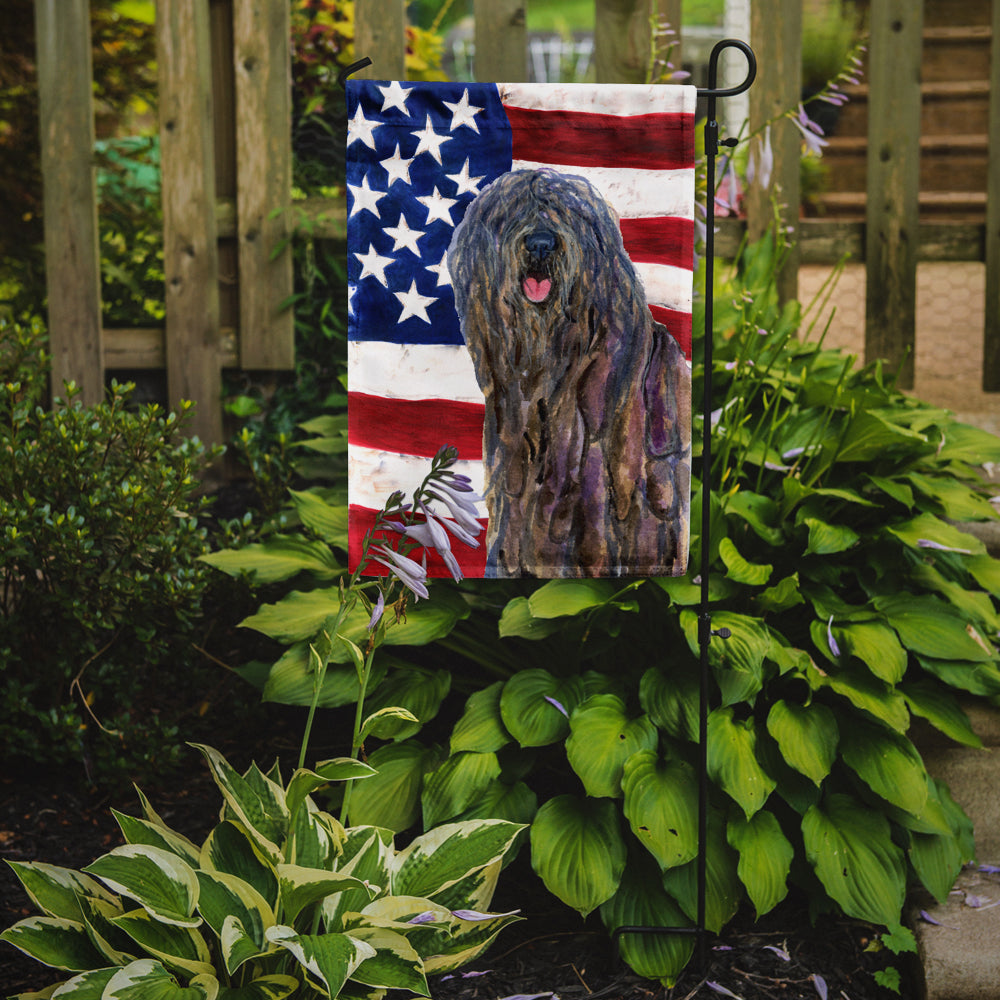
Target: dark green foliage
<point>99,539</point>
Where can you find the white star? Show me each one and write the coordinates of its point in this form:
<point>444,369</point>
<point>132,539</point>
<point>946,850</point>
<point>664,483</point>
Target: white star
<point>395,97</point>
<point>404,236</point>
<point>351,289</point>
<point>374,264</point>
<point>430,141</point>
<point>463,113</point>
<point>438,207</point>
<point>466,184</point>
<point>441,270</point>
<point>365,198</point>
<point>360,128</point>
<point>414,304</point>
<point>397,168</point>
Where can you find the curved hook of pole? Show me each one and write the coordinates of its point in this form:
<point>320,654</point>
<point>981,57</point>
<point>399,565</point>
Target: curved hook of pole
<point>713,69</point>
<point>353,68</point>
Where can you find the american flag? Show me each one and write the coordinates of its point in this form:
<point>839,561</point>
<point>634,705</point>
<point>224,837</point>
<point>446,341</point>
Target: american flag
<point>417,155</point>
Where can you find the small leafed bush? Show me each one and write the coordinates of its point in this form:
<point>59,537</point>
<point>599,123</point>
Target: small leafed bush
<point>99,578</point>
<point>280,899</point>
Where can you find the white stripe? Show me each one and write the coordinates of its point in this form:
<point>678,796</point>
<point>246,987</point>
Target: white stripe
<point>373,476</point>
<point>666,286</point>
<point>634,194</point>
<point>637,99</point>
<point>413,371</point>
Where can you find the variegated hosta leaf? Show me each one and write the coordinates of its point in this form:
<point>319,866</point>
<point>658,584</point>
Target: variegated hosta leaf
<point>732,760</point>
<point>56,891</point>
<point>256,801</point>
<point>661,799</point>
<point>315,838</point>
<point>476,890</point>
<point>304,782</point>
<point>141,831</point>
<point>466,941</point>
<point>456,784</point>
<point>807,736</point>
<point>54,941</point>
<point>367,853</point>
<point>395,964</point>
<point>300,887</point>
<point>481,727</point>
<point>116,947</point>
<point>329,959</point>
<point>850,847</point>
<point>602,737</point>
<point>158,880</point>
<point>147,979</point>
<point>225,897</point>
<point>274,987</point>
<point>230,849</point>
<point>441,857</point>
<point>86,986</point>
<point>177,947</point>
<point>578,851</point>
<point>765,858</point>
<point>642,902</point>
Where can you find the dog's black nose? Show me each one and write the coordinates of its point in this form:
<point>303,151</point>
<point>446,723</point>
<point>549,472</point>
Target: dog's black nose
<point>540,244</point>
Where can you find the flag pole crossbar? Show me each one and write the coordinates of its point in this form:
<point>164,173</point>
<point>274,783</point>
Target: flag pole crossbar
<point>705,630</point>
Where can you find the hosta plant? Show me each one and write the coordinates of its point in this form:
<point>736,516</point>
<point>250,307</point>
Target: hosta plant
<point>279,900</point>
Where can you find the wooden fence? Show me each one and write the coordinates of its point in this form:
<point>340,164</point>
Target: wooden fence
<point>226,160</point>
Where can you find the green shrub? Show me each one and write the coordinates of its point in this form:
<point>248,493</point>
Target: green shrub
<point>99,540</point>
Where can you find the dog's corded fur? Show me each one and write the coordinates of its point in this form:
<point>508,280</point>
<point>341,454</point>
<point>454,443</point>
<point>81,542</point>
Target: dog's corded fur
<point>586,443</point>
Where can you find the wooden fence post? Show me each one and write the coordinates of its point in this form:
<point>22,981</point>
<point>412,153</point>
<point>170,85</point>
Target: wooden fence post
<point>991,332</point>
<point>72,255</point>
<point>622,40</point>
<point>893,183</point>
<point>380,34</point>
<point>501,41</point>
<point>776,34</point>
<point>190,251</point>
<point>261,56</point>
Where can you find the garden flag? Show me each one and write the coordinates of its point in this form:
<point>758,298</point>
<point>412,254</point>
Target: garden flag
<point>520,265</point>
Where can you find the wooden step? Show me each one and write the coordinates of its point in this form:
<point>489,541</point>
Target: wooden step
<point>939,13</point>
<point>957,206</point>
<point>956,53</point>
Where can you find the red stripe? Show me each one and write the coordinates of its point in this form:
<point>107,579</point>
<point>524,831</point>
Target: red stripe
<point>678,323</point>
<point>660,240</point>
<point>415,426</point>
<point>471,561</point>
<point>585,139</point>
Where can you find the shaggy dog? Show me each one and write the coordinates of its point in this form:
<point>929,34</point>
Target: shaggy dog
<point>586,442</point>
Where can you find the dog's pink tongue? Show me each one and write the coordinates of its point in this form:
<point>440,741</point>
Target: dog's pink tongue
<point>536,290</point>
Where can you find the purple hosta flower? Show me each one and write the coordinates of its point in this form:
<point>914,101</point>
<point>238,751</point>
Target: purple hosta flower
<point>820,983</point>
<point>462,505</point>
<point>558,705</point>
<point>811,132</point>
<point>411,573</point>
<point>475,915</point>
<point>927,918</point>
<point>927,543</point>
<point>427,917</point>
<point>834,648</point>
<point>780,952</point>
<point>727,197</point>
<point>990,869</point>
<point>531,996</point>
<point>719,988</point>
<point>465,975</point>
<point>761,163</point>
<point>377,612</point>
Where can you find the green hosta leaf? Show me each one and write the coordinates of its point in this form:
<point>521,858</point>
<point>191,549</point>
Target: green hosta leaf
<point>578,851</point>
<point>957,501</point>
<point>684,592</point>
<point>456,784</point>
<point>279,558</point>
<point>304,782</point>
<point>225,897</point>
<point>602,738</point>
<point>141,831</point>
<point>965,443</point>
<point>671,699</point>
<point>807,736</point>
<point>765,858</point>
<point>986,571</point>
<point>865,692</point>
<point>976,678</point>
<point>827,539</point>
<point>870,435</point>
<point>231,850</point>
<point>931,628</point>
<point>783,595</point>
<point>941,709</point>
<point>54,941</point>
<point>928,528</point>
<point>325,519</point>
<point>559,598</point>
<point>738,661</point>
<point>147,979</point>
<point>274,987</point>
<point>976,605</point>
<point>391,798</point>
<point>159,881</point>
<point>888,763</point>
<point>850,847</point>
<point>732,760</point>
<point>758,511</point>
<point>395,964</point>
<point>528,710</point>
<point>876,646</point>
<point>937,859</point>
<point>481,728</point>
<point>741,571</point>
<point>516,803</point>
<point>517,620</point>
<point>723,889</point>
<point>641,901</point>
<point>180,948</point>
<point>301,887</point>
<point>56,891</point>
<point>415,689</point>
<point>260,809</point>
<point>291,680</point>
<point>441,857</point>
<point>893,488</point>
<point>330,959</point>
<point>661,798</point>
